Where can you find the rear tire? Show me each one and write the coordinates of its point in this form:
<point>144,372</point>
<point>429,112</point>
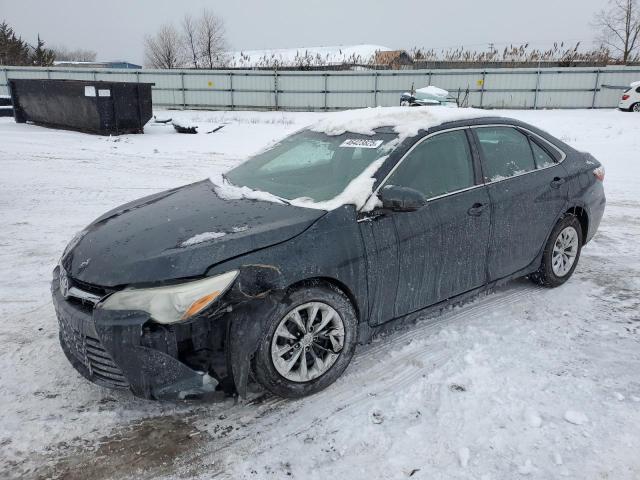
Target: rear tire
<point>326,346</point>
<point>635,107</point>
<point>561,253</point>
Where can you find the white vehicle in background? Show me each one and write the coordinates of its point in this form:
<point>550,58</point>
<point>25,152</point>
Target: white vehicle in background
<point>630,101</point>
<point>427,96</point>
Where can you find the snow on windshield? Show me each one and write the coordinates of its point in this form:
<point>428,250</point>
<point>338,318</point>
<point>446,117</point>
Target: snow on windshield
<point>405,122</point>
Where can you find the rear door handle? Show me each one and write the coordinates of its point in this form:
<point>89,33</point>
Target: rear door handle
<point>557,182</point>
<point>477,209</point>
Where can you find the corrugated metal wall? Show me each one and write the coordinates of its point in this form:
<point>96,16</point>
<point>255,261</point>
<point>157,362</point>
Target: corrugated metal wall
<point>334,90</point>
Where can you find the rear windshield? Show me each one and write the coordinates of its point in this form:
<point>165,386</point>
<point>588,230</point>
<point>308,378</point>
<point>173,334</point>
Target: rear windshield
<point>311,164</point>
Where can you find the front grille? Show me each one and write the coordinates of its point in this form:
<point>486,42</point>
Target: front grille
<point>88,351</point>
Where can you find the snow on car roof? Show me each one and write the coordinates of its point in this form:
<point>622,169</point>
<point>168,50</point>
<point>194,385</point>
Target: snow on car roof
<point>405,121</point>
<point>635,84</point>
<point>433,90</point>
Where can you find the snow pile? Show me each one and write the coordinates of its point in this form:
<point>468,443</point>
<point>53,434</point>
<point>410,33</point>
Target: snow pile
<point>202,237</point>
<point>407,122</point>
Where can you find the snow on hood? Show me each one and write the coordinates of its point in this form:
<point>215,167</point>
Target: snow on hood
<point>227,191</point>
<point>406,122</point>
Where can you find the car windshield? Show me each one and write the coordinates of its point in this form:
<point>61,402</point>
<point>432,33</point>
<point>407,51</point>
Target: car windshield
<point>311,164</point>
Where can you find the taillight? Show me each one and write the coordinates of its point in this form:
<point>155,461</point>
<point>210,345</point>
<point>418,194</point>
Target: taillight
<point>625,97</point>
<point>599,173</point>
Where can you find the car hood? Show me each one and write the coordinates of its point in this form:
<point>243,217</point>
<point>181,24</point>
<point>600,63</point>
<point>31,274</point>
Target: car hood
<point>177,234</point>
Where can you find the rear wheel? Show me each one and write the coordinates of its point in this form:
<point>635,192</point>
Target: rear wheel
<point>636,107</point>
<point>308,342</point>
<point>561,253</point>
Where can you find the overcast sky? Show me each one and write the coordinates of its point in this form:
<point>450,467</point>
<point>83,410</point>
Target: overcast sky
<point>115,29</point>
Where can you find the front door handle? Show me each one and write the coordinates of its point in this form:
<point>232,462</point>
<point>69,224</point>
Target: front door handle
<point>477,209</point>
<point>557,182</point>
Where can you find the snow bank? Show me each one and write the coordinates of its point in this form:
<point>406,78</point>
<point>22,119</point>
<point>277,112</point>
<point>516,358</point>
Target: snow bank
<point>407,122</point>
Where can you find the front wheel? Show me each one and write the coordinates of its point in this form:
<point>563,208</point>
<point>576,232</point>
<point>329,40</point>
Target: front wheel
<point>561,253</point>
<point>308,342</point>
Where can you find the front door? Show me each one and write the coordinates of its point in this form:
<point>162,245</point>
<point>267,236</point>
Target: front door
<point>442,247</point>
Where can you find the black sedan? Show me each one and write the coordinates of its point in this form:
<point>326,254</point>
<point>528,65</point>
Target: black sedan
<point>305,250</point>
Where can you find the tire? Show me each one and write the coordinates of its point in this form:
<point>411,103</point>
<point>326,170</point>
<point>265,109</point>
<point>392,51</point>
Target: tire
<point>269,367</point>
<point>553,275</point>
<point>635,107</point>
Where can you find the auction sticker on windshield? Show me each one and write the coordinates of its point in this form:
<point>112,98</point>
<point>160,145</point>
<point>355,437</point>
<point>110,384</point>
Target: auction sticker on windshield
<point>360,143</point>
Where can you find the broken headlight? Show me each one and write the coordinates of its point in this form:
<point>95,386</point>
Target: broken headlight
<point>172,303</point>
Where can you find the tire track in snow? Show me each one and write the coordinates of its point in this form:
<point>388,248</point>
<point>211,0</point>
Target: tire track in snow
<point>368,376</point>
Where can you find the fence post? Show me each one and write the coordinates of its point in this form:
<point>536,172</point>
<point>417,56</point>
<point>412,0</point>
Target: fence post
<point>535,96</point>
<point>138,76</point>
<point>326,91</point>
<point>375,89</point>
<point>184,96</point>
<point>231,90</point>
<point>595,89</point>
<point>6,79</point>
<point>275,87</point>
<point>484,77</point>
<point>95,76</point>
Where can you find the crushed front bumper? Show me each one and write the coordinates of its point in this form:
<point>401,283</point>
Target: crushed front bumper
<point>123,349</point>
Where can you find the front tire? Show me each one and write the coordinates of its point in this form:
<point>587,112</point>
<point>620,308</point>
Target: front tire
<point>561,253</point>
<point>308,342</point>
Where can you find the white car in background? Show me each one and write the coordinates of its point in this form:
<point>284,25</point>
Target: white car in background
<point>427,97</point>
<point>630,101</point>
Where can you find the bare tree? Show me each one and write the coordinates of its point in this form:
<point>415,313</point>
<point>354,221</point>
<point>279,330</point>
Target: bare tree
<point>620,28</point>
<point>211,39</point>
<point>164,49</point>
<point>78,55</point>
<point>190,39</point>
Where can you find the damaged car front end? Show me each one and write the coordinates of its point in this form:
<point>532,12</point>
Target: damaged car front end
<point>138,308</point>
<point>114,338</point>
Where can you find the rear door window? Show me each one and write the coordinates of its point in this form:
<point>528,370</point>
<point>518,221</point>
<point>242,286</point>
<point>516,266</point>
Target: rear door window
<point>505,151</point>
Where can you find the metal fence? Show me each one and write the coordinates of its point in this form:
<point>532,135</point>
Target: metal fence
<point>522,88</point>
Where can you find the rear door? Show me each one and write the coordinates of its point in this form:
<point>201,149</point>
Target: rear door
<point>528,191</point>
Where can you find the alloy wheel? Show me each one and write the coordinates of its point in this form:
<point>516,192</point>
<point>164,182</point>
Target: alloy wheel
<point>565,250</point>
<point>307,341</point>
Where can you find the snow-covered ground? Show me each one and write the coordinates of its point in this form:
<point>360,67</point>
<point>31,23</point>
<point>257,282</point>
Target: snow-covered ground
<point>524,382</point>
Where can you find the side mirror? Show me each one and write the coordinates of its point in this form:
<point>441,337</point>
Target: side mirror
<point>401,199</point>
